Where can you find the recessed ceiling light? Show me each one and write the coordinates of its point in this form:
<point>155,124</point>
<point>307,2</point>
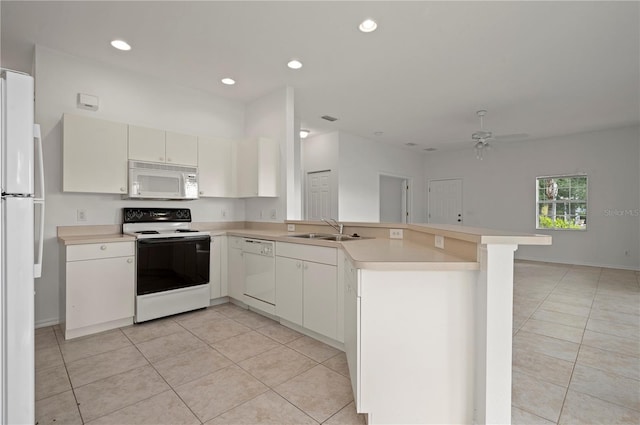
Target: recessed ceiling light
<point>368,25</point>
<point>304,133</point>
<point>121,45</point>
<point>228,81</point>
<point>294,64</point>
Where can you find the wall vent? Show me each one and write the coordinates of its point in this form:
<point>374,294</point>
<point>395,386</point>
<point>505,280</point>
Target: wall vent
<point>329,118</point>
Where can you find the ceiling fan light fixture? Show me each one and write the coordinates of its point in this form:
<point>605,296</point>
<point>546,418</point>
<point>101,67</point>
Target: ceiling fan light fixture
<point>294,64</point>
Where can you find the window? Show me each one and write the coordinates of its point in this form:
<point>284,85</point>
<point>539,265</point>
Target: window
<point>561,202</point>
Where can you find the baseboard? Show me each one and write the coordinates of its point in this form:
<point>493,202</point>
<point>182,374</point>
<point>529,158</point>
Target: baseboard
<point>47,322</point>
<point>580,263</point>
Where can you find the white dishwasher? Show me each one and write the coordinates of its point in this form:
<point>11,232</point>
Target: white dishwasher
<point>259,274</point>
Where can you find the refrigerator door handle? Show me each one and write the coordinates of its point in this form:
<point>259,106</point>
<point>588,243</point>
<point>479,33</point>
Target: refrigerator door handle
<point>39,192</point>
<point>37,267</point>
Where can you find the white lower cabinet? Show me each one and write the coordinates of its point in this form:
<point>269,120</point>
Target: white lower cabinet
<point>235,268</point>
<point>307,287</point>
<point>98,287</point>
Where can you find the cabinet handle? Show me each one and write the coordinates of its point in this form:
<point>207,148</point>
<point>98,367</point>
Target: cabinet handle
<point>298,264</point>
<point>168,159</point>
<point>201,192</point>
<point>122,189</point>
<point>129,260</point>
<point>161,158</point>
<point>306,267</point>
<point>103,248</point>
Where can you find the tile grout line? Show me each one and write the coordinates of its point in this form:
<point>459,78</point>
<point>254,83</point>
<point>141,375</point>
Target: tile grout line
<point>564,400</point>
<point>73,390</point>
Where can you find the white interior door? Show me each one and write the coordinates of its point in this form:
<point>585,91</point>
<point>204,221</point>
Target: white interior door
<point>394,199</point>
<point>318,195</point>
<point>445,201</point>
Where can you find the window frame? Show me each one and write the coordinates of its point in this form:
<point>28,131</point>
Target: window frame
<point>567,203</point>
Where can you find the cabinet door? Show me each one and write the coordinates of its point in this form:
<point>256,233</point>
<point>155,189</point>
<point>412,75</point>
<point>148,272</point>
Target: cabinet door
<point>236,274</point>
<point>146,144</point>
<point>181,149</point>
<point>94,155</point>
<point>320,298</point>
<point>215,272</point>
<point>289,289</point>
<point>99,291</point>
<point>247,168</point>
<point>268,167</point>
<point>215,167</point>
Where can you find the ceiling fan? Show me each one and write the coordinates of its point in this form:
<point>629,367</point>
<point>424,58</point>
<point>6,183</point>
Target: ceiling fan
<point>481,137</point>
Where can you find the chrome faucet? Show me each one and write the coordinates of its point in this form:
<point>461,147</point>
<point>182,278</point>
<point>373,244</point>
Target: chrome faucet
<point>338,226</point>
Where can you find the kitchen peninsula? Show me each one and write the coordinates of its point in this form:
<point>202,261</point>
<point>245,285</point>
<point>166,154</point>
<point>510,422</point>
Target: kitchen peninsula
<point>427,331</point>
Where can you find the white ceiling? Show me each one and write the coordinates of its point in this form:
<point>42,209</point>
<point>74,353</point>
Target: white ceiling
<point>540,68</point>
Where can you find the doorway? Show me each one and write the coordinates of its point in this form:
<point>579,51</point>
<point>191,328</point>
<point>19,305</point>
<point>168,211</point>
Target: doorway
<point>445,201</point>
<point>394,199</point>
<point>318,195</point>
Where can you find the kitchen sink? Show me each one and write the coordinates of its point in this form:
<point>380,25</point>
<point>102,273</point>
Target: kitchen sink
<point>313,236</point>
<point>328,237</point>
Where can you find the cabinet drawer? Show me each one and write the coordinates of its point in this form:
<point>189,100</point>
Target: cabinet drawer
<point>100,250</point>
<point>316,254</point>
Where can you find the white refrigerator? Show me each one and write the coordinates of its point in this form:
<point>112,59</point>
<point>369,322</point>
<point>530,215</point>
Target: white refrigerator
<point>20,253</point>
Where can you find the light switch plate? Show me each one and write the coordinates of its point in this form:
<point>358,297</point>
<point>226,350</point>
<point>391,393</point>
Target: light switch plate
<point>439,241</point>
<point>395,233</point>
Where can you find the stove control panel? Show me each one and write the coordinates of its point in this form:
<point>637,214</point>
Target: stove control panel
<point>150,215</point>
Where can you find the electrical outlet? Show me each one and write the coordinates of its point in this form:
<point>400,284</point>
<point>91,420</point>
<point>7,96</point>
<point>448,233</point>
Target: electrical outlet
<point>223,213</point>
<point>440,241</point>
<point>261,214</point>
<point>291,227</point>
<point>395,233</point>
<point>274,214</point>
<point>81,215</point>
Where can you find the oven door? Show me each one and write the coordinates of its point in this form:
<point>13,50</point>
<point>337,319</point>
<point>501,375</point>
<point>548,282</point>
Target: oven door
<point>172,263</point>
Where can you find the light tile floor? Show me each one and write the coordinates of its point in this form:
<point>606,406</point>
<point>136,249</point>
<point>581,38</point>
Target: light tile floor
<point>576,360</point>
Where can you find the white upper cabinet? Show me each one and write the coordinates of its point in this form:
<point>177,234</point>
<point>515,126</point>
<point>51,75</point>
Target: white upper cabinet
<point>181,149</point>
<point>94,155</point>
<point>215,167</point>
<point>153,145</point>
<point>257,168</point>
<point>146,144</point>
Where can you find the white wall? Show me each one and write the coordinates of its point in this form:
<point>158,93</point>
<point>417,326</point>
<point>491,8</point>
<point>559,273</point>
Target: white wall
<point>320,153</point>
<point>125,97</point>
<point>499,192</point>
<point>271,116</point>
<point>361,163</point>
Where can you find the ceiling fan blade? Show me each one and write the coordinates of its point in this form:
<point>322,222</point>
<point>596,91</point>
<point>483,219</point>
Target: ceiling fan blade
<point>514,136</point>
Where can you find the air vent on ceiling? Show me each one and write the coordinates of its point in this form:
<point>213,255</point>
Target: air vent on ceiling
<point>411,144</point>
<point>429,149</point>
<point>329,118</point>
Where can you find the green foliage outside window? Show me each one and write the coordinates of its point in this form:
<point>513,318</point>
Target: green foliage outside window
<point>562,202</point>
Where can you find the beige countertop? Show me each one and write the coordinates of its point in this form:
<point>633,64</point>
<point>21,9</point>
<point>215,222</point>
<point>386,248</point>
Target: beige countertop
<point>87,239</point>
<point>379,253</point>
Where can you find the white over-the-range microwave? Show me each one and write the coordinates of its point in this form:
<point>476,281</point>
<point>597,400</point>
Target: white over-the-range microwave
<point>152,180</point>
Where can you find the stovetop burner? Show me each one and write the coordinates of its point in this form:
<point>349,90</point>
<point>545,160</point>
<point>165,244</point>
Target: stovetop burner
<point>148,232</point>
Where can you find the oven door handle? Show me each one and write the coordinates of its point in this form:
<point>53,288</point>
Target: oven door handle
<point>172,239</point>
